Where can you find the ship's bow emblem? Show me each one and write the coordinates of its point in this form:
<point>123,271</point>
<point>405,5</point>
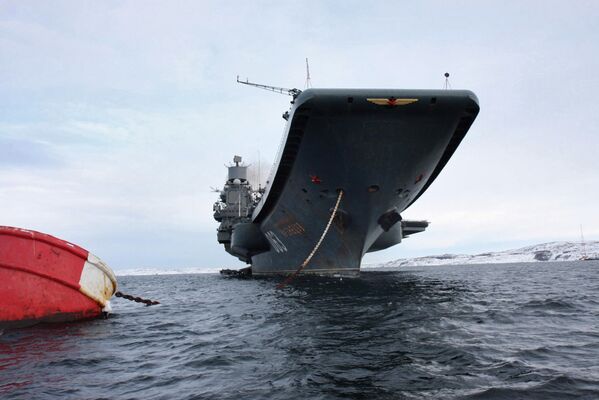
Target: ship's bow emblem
<point>391,101</point>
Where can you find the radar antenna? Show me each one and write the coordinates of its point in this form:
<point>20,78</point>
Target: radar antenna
<point>308,82</point>
<point>447,84</point>
<point>291,92</point>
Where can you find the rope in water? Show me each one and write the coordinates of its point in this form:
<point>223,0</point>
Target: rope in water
<point>307,260</point>
<point>136,299</point>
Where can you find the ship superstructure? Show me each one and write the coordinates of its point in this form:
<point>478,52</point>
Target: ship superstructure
<point>379,149</point>
<point>236,204</point>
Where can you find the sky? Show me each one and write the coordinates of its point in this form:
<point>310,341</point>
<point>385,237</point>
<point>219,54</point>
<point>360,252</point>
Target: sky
<point>116,117</point>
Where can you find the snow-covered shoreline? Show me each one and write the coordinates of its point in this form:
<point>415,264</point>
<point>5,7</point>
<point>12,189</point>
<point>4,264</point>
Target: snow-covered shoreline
<point>545,252</point>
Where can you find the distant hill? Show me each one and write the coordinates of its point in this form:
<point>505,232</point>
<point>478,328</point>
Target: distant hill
<point>553,251</point>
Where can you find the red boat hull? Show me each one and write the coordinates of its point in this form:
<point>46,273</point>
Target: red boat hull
<point>45,279</point>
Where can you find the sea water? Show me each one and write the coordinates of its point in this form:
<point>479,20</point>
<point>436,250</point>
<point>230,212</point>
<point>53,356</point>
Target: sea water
<point>500,331</point>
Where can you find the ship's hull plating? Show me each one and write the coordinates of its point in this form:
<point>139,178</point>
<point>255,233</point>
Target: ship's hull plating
<point>382,157</point>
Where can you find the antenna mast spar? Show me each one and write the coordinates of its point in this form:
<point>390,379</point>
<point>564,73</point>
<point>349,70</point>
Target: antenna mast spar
<point>308,82</point>
<point>290,92</point>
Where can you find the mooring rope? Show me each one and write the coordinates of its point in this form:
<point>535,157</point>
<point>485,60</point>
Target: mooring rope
<point>136,299</point>
<point>307,260</point>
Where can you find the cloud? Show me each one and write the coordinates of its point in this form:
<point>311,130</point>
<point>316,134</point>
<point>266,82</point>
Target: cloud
<point>15,152</point>
<point>118,117</point>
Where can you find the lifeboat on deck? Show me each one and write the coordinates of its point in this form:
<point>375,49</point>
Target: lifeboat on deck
<point>46,279</point>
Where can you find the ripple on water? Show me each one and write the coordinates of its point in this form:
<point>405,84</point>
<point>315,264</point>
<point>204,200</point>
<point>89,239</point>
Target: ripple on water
<point>472,332</point>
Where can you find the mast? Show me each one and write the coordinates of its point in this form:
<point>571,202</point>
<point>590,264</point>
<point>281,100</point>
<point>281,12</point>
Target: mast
<point>584,250</point>
<point>308,82</point>
<point>259,174</point>
<point>447,84</point>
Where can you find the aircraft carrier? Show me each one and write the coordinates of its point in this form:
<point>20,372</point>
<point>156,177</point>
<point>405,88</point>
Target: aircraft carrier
<point>350,162</point>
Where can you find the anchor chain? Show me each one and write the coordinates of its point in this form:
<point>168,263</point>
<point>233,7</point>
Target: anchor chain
<point>136,299</point>
<point>307,260</point>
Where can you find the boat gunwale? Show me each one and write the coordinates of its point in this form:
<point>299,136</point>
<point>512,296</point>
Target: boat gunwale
<point>45,238</point>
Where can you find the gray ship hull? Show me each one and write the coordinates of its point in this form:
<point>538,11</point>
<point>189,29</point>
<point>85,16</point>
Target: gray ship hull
<point>382,148</point>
